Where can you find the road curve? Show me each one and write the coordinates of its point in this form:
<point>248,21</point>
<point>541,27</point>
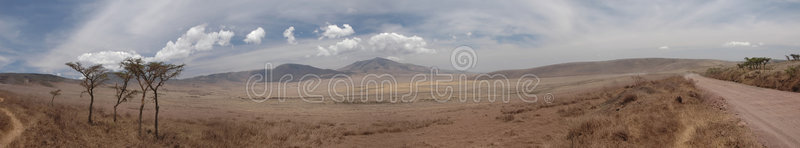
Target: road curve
<point>773,115</point>
<point>14,132</point>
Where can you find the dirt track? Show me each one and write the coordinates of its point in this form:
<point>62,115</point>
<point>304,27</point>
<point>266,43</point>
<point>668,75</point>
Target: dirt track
<point>14,132</point>
<point>773,115</point>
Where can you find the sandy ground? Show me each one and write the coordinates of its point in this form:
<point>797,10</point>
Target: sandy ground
<point>771,114</point>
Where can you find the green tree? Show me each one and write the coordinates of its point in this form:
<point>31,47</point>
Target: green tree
<point>151,77</point>
<point>160,73</point>
<point>54,94</point>
<point>139,70</point>
<point>122,91</point>
<point>93,76</point>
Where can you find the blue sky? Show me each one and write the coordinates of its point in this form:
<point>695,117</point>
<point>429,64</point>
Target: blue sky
<point>209,36</point>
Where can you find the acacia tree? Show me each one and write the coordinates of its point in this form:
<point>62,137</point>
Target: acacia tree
<point>139,71</point>
<point>755,63</point>
<point>160,72</point>
<point>122,91</point>
<point>93,76</point>
<point>54,94</point>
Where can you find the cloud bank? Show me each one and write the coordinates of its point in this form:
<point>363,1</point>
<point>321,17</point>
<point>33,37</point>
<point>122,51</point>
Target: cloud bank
<point>388,43</point>
<point>195,39</point>
<point>109,59</point>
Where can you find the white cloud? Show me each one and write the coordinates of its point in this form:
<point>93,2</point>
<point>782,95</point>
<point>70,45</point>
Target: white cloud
<point>392,43</point>
<point>196,39</point>
<point>109,59</point>
<point>333,31</point>
<point>469,34</point>
<point>741,44</point>
<point>342,46</point>
<point>255,36</point>
<point>289,34</point>
<point>663,47</point>
<point>561,29</point>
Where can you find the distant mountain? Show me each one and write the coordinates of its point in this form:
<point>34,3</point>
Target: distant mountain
<point>383,66</point>
<point>31,78</point>
<point>296,70</point>
<point>620,66</point>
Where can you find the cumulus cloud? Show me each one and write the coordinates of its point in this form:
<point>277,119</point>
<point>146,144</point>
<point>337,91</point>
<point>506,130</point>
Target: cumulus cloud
<point>340,47</point>
<point>333,31</point>
<point>196,39</point>
<point>109,59</point>
<point>393,42</point>
<point>255,36</point>
<point>289,34</point>
<point>741,44</point>
<point>384,42</point>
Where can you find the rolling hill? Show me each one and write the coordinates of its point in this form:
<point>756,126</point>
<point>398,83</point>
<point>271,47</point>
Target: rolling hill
<point>620,66</point>
<point>296,70</point>
<point>30,78</point>
<point>380,65</point>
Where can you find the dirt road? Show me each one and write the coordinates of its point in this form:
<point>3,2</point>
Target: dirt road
<point>14,132</point>
<point>773,115</point>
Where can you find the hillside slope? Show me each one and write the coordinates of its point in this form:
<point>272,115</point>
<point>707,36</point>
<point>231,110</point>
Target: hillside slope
<point>620,66</point>
<point>296,70</point>
<point>30,78</point>
<point>384,66</point>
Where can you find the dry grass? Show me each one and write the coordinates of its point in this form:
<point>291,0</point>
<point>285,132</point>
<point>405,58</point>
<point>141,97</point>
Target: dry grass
<point>66,126</point>
<point>782,76</point>
<point>5,124</point>
<point>669,113</point>
<point>663,113</point>
<point>397,126</point>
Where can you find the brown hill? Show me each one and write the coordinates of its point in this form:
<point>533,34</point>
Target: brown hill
<point>620,66</point>
<point>30,78</point>
<point>384,66</point>
<point>295,70</point>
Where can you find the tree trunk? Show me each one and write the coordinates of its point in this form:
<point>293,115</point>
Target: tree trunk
<point>115,111</point>
<point>51,100</point>
<point>155,97</point>
<point>91,104</point>
<point>141,108</point>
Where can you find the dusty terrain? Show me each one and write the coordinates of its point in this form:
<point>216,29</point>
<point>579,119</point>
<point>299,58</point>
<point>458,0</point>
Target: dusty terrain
<point>772,114</point>
<point>583,114</point>
<point>595,109</point>
<point>11,129</point>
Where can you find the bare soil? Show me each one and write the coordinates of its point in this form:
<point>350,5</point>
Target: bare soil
<point>772,114</point>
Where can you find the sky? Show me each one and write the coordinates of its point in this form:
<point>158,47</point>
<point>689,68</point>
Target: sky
<point>237,35</point>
